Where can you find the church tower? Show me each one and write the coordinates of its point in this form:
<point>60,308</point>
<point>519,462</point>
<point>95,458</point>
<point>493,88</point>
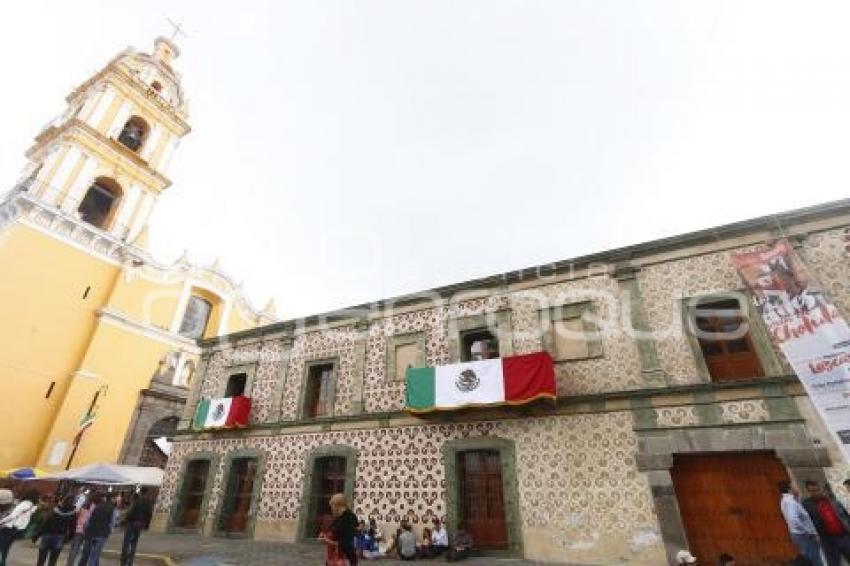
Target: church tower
<point>104,160</point>
<point>98,339</point>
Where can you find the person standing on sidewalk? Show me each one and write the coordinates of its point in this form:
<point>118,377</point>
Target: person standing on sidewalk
<point>800,525</point>
<point>831,522</point>
<point>138,518</point>
<point>13,525</point>
<point>98,529</point>
<point>56,525</point>
<point>79,532</point>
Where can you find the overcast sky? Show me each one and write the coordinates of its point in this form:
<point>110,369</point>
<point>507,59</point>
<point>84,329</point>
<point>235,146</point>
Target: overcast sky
<point>347,151</point>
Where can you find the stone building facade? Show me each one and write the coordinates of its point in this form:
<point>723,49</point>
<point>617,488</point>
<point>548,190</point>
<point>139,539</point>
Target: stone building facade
<point>644,435</point>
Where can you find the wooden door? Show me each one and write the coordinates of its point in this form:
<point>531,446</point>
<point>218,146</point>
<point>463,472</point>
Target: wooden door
<point>195,484</point>
<point>237,499</point>
<point>482,505</point>
<point>328,479</point>
<point>730,503</point>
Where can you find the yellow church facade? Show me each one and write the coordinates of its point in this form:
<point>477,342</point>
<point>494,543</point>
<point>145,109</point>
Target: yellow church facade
<point>89,314</point>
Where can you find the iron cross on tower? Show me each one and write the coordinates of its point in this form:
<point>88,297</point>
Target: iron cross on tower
<point>178,29</point>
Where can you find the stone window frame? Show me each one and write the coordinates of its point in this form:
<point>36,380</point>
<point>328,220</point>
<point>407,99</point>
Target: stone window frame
<point>177,501</point>
<point>571,311</point>
<point>510,491</point>
<point>305,509</point>
<point>419,339</point>
<point>498,323</point>
<point>250,371</point>
<point>758,334</point>
<point>260,456</point>
<point>302,393</point>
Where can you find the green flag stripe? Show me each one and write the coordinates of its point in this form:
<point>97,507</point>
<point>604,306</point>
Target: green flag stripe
<point>420,388</point>
<point>201,414</point>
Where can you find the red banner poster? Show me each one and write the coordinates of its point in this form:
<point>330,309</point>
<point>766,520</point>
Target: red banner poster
<point>807,327</point>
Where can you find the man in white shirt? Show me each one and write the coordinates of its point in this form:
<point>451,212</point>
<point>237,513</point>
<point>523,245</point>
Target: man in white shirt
<point>800,525</point>
<point>439,539</point>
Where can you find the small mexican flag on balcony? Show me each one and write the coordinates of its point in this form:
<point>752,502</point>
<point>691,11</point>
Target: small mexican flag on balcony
<point>514,380</point>
<point>226,412</point>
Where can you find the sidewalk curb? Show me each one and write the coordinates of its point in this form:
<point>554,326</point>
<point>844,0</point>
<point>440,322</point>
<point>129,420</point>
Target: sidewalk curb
<point>156,558</point>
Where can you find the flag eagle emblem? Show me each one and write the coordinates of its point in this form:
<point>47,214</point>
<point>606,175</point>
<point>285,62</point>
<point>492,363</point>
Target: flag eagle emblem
<point>467,381</point>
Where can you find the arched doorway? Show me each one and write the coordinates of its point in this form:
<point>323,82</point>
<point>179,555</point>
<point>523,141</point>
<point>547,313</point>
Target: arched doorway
<point>156,444</point>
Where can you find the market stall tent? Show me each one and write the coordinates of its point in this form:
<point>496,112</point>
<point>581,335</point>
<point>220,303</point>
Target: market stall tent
<point>112,474</point>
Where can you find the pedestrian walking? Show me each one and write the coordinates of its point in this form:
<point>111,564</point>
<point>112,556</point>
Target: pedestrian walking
<point>138,518</point>
<point>54,529</point>
<point>340,538</point>
<point>77,539</point>
<point>800,525</point>
<point>831,522</point>
<point>13,525</point>
<point>98,529</point>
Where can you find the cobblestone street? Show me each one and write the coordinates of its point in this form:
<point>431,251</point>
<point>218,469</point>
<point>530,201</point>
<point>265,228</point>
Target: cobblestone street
<point>191,550</point>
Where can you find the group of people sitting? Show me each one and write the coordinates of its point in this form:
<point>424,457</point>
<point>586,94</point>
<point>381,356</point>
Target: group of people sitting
<point>371,543</point>
<point>84,521</point>
<point>348,539</point>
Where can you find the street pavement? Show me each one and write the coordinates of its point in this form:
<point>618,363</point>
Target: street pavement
<point>190,550</point>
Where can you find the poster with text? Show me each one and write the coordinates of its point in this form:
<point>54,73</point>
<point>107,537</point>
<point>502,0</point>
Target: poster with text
<point>807,327</point>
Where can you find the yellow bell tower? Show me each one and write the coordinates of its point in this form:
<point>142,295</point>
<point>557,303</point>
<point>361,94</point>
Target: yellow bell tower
<point>105,158</point>
<point>89,315</point>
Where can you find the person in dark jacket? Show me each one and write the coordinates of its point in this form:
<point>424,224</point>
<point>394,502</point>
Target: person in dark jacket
<point>831,521</point>
<point>54,530</point>
<point>98,529</point>
<point>138,518</point>
<point>344,527</point>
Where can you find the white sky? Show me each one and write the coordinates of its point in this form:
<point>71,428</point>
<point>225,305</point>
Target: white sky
<point>347,151</point>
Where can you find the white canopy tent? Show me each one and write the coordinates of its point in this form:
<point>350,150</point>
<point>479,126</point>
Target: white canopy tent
<point>112,474</point>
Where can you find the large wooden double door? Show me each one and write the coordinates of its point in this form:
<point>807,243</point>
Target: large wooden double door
<point>482,504</point>
<point>730,503</point>
<point>236,505</point>
<point>328,479</point>
<point>194,489</point>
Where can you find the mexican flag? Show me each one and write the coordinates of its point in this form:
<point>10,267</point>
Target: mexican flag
<point>513,380</point>
<point>225,412</point>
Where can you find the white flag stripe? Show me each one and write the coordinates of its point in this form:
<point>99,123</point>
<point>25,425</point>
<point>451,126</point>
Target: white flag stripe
<point>218,411</point>
<point>485,383</point>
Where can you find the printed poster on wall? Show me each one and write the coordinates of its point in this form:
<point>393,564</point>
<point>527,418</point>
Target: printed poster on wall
<point>807,327</point>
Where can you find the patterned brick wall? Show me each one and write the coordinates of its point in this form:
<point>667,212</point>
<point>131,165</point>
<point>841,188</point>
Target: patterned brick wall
<point>662,285</point>
<point>576,475</point>
<point>619,367</point>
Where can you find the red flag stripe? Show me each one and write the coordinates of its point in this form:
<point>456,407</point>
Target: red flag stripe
<point>528,376</point>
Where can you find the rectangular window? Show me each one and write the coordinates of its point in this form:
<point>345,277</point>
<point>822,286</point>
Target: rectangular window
<point>194,487</point>
<point>236,503</point>
<point>570,332</point>
<point>236,385</point>
<point>721,328</point>
<point>478,344</point>
<point>570,339</point>
<point>406,356</point>
<point>319,393</point>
